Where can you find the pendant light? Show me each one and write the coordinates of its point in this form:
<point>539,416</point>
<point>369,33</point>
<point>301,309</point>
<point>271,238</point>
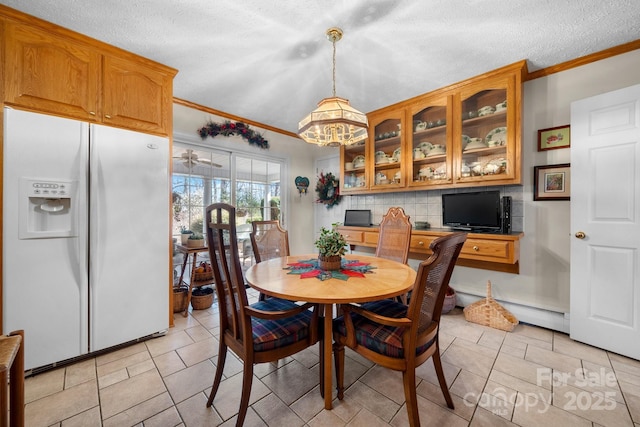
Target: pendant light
<point>334,122</point>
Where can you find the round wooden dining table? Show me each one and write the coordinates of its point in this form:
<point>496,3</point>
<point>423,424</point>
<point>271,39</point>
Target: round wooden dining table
<point>387,279</point>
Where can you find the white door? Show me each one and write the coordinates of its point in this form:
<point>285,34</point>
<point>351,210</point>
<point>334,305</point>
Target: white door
<point>605,221</point>
<point>129,260</point>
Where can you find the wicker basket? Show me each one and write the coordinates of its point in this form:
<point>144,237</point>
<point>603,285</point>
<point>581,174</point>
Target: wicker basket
<point>179,298</point>
<point>202,298</point>
<point>488,312</point>
<point>192,243</point>
<point>207,275</point>
<point>330,263</point>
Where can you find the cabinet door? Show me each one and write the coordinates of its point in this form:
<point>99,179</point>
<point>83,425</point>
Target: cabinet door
<point>51,74</point>
<point>385,154</point>
<point>136,96</point>
<point>430,153</point>
<point>353,161</point>
<point>487,132</point>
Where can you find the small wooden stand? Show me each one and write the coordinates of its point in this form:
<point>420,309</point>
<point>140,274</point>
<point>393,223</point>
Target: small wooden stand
<point>12,371</point>
<point>193,252</point>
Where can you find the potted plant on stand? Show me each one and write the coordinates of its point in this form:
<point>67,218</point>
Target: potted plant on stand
<point>195,240</point>
<point>331,247</point>
<point>184,234</point>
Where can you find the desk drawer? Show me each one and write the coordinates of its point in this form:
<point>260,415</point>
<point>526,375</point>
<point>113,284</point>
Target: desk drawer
<point>420,243</point>
<point>488,250</point>
<point>371,238</point>
<point>353,237</point>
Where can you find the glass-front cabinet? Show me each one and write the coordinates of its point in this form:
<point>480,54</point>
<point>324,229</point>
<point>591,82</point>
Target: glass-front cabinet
<point>353,159</point>
<point>430,149</point>
<point>487,132</point>
<point>464,135</point>
<point>386,151</point>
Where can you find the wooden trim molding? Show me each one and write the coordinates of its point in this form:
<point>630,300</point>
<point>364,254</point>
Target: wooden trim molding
<point>233,117</point>
<point>594,57</point>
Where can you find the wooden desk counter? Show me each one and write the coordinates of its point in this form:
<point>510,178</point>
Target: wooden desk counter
<point>488,251</point>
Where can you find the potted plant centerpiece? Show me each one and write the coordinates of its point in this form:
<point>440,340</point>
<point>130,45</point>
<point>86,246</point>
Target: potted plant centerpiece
<point>331,247</point>
<point>184,234</point>
<point>196,240</point>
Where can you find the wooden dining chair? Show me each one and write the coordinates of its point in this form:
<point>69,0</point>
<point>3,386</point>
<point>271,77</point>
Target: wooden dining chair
<point>398,336</point>
<point>394,239</point>
<point>265,331</point>
<point>269,240</point>
<point>394,236</point>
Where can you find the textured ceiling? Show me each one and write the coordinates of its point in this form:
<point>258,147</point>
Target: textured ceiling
<point>269,61</point>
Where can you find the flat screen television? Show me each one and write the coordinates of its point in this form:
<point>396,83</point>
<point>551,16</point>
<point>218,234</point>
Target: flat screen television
<point>474,211</point>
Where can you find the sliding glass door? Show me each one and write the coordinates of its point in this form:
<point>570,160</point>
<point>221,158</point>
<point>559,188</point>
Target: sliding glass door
<point>202,176</point>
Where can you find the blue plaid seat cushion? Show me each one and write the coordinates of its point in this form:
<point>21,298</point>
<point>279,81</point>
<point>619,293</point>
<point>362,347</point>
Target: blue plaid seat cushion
<point>382,339</point>
<point>271,334</point>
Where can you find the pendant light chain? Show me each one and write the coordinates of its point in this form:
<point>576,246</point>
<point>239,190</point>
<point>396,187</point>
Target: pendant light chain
<point>334,66</point>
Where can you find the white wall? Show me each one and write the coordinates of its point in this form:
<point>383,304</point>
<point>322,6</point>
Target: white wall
<point>543,281</point>
<point>299,159</point>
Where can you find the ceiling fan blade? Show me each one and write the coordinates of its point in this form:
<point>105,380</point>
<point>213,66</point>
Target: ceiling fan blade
<point>209,162</point>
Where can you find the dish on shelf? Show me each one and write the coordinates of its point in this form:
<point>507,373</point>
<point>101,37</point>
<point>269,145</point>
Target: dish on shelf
<point>396,155</point>
<point>502,106</point>
<point>358,161</point>
<point>425,172</point>
<point>486,110</point>
<point>381,178</point>
<point>476,168</point>
<point>496,137</point>
<point>495,166</point>
<point>437,150</point>
<point>425,146</point>
<point>475,144</point>
<point>440,173</point>
<point>465,141</point>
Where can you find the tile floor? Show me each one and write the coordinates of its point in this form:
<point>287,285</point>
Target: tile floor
<point>529,377</point>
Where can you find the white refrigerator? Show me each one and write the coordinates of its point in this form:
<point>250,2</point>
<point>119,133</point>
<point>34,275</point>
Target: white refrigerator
<point>86,256</point>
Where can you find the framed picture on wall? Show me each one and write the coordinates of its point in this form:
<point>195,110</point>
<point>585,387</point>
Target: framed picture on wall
<point>551,182</point>
<point>553,138</point>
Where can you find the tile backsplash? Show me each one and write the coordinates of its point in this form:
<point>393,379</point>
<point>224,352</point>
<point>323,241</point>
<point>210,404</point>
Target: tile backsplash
<point>427,205</point>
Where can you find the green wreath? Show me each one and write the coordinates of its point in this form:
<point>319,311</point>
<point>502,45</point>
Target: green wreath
<point>328,189</point>
<point>233,128</point>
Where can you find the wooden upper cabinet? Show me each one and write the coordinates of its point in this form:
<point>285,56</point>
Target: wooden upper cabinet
<point>51,74</point>
<point>464,135</point>
<point>72,76</point>
<point>136,96</point>
<point>487,128</point>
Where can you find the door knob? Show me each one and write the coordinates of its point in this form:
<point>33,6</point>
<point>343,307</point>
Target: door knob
<point>580,235</point>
